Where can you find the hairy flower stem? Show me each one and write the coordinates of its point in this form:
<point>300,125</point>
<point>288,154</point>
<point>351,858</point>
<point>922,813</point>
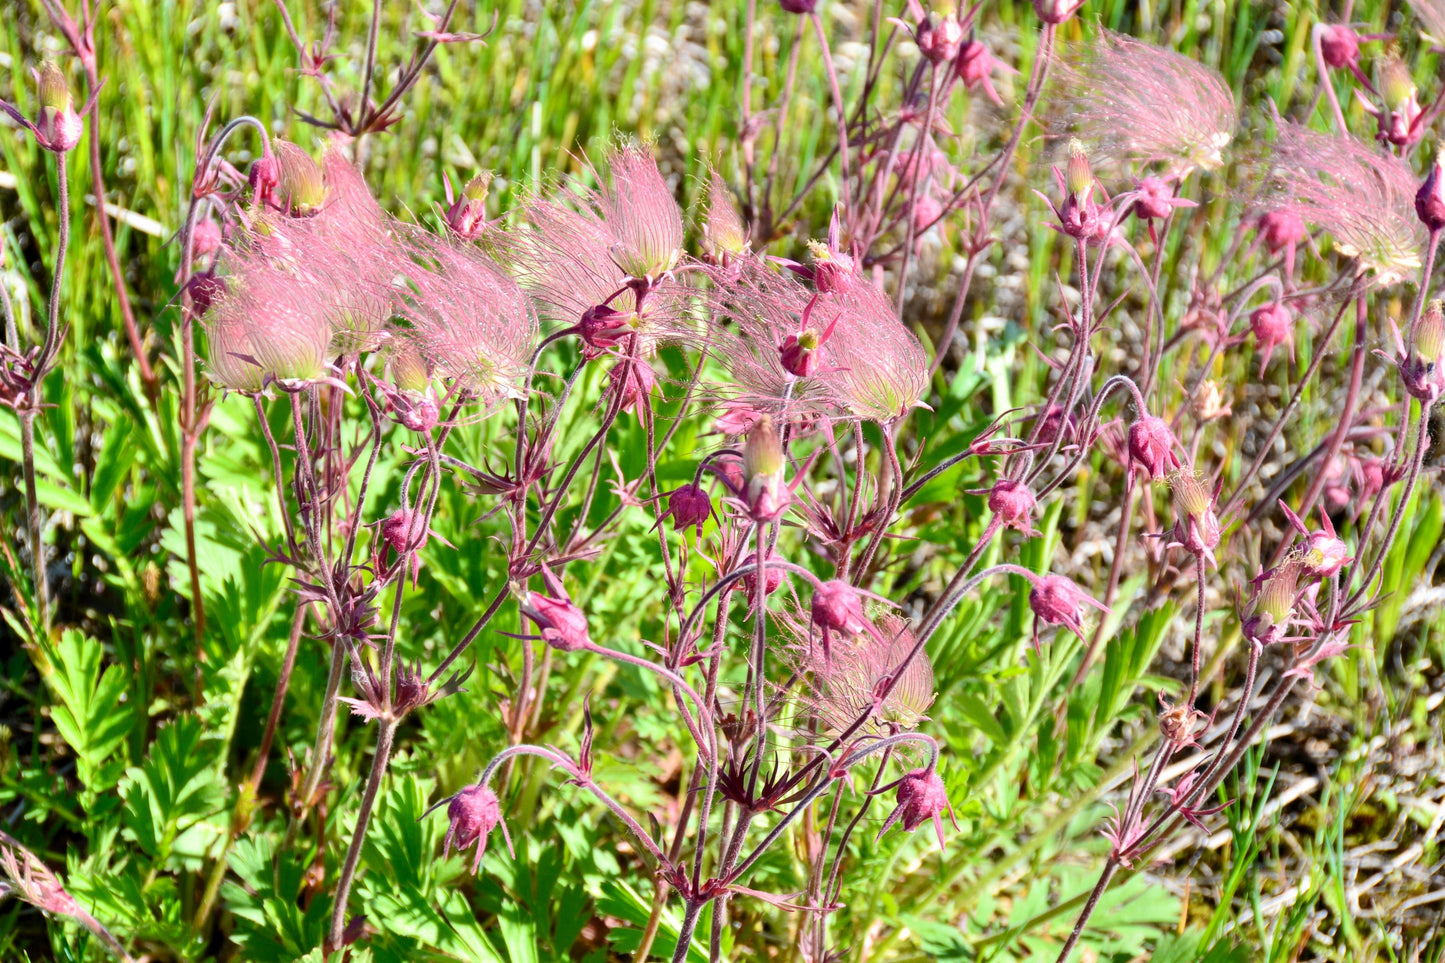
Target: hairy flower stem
<point>1109,869</point>
<point>1378,561</point>
<point>33,521</point>
<point>386,729</point>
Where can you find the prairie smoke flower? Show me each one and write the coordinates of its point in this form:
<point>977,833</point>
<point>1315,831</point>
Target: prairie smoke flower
<point>28,878</point>
<point>642,215</point>
<point>1056,600</point>
<point>562,624</point>
<point>1272,607</point>
<point>837,607</point>
<point>1138,102</point>
<point>1430,198</point>
<point>975,66</point>
<point>1156,199</point>
<point>634,380</point>
<point>472,814</point>
<point>764,493</point>
<point>1272,325</point>
<point>1207,403</point>
<point>1151,448</point>
<point>466,216</point>
<point>846,683</point>
<point>687,506</point>
<point>879,370</point>
<point>468,319</point>
<point>412,397</point>
<point>1359,195</point>
<point>1281,230</point>
<point>58,126</point>
<point>724,236</point>
<point>1324,553</point>
<point>1013,503</point>
<point>1339,45</point>
<point>1196,528</point>
<point>921,796</point>
<point>939,31</point>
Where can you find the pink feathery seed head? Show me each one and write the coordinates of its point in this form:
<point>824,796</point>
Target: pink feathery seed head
<point>1156,199</point>
<point>725,237</point>
<point>562,624</point>
<point>1339,45</point>
<point>635,380</point>
<point>469,320</point>
<point>1151,447</point>
<point>975,66</point>
<point>1137,102</point>
<point>1196,527</point>
<point>1272,325</point>
<point>1430,198</point>
<point>466,217</point>
<point>688,506</point>
<point>1056,600</point>
<point>921,797</point>
<point>565,261</point>
<point>1358,194</point>
<point>280,321</point>
<point>1272,607</point>
<point>472,814</point>
<point>301,185</point>
<point>875,368</point>
<point>847,681</point>
<point>642,214</point>
<point>1013,503</point>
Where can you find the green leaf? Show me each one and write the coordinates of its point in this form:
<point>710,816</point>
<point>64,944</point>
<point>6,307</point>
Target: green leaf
<point>91,713</point>
<point>171,797</point>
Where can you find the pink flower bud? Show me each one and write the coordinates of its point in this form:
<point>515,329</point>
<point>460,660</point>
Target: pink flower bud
<point>1057,601</point>
<point>264,178</point>
<point>1421,369</point>
<point>773,579</point>
<point>1151,447</point>
<point>1056,11</point>
<point>563,625</point>
<point>799,353</point>
<point>602,327</point>
<point>1325,554</point>
<point>205,238</point>
<point>975,66</point>
<point>473,813</point>
<point>1282,231</point>
<point>1339,45</point>
<point>688,506</point>
<point>921,796</point>
<point>925,212</point>
<point>939,40</point>
<point>1196,527</point>
<point>1013,504</point>
<point>634,379</point>
<point>836,606</point>
<point>833,271</point>
<point>467,215</point>
<point>798,6</point>
<point>402,531</point>
<point>1272,607</point>
<point>1156,199</point>
<point>1273,325</point>
<point>1430,200</point>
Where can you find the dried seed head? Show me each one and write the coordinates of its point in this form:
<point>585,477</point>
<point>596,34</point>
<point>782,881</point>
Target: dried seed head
<point>1273,604</point>
<point>1079,178</point>
<point>642,214</point>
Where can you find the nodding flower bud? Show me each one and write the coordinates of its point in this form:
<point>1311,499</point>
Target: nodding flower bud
<point>1430,199</point>
<point>1208,403</point>
<point>688,506</point>
<point>403,531</point>
<point>939,39</point>
<point>634,379</point>
<point>205,238</point>
<point>1196,528</point>
<point>837,607</point>
<point>763,490</point>
<point>1400,122</point>
<point>563,625</point>
<point>1151,447</point>
<point>301,187</point>
<point>1272,325</point>
<point>466,217</point>
<point>833,270</point>
<point>58,127</point>
<point>975,65</point>
<point>1056,11</point>
<point>472,814</point>
<point>921,796</point>
<point>602,327</point>
<point>1325,554</point>
<point>1339,45</point>
<point>773,578</point>
<point>1272,607</point>
<point>1013,503</point>
<point>1058,601</point>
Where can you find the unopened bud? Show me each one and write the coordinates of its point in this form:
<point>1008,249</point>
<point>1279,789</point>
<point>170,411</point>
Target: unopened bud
<point>58,127</point>
<point>301,187</point>
<point>1079,177</point>
<point>1430,199</point>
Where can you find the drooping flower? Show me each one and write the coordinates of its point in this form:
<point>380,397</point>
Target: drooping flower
<point>57,126</point>
<point>838,608</point>
<point>1134,101</point>
<point>1430,198</point>
<point>1156,199</point>
<point>1013,503</point>
<point>468,319</point>
<point>1281,230</point>
<point>1151,447</point>
<point>975,66</point>
<point>1056,600</point>
<point>562,624</point>
<point>921,796</point>
<point>1272,325</point>
<point>472,814</point>
<point>1359,195</point>
<point>688,506</point>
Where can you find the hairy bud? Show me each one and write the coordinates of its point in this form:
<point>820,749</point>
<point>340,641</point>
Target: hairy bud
<point>921,796</point>
<point>472,815</point>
